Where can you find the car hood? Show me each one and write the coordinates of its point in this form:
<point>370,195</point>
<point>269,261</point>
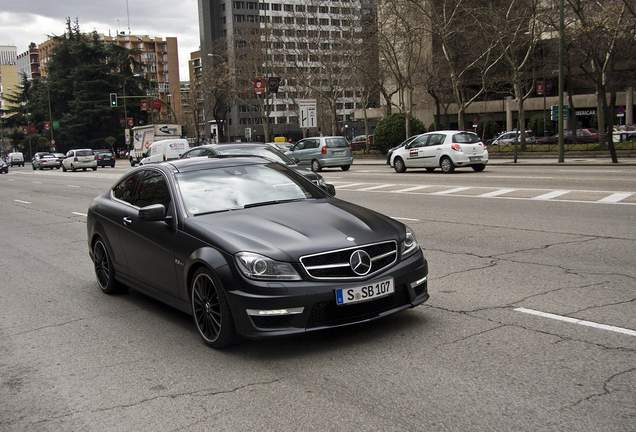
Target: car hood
<point>288,231</point>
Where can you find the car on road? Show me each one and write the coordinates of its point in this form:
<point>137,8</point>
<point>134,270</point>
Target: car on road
<point>581,136</point>
<point>4,168</point>
<point>15,158</point>
<point>508,138</point>
<point>362,142</point>
<point>251,248</point>
<point>322,152</point>
<point>262,150</point>
<point>41,160</point>
<point>446,150</point>
<point>105,158</point>
<point>79,159</point>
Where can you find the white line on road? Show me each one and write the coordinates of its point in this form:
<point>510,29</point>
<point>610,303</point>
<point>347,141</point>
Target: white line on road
<point>376,187</point>
<point>411,189</point>
<point>79,214</point>
<point>23,202</point>
<point>403,218</point>
<point>349,185</point>
<point>550,195</point>
<point>616,197</point>
<point>578,321</point>
<point>496,193</point>
<point>75,186</point>
<point>450,191</point>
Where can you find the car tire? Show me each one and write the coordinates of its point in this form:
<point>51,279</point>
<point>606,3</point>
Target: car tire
<point>430,169</point>
<point>84,169</point>
<point>399,165</point>
<point>33,166</point>
<point>64,168</point>
<point>315,166</point>
<point>210,310</point>
<point>73,168</point>
<point>479,168</point>
<point>104,271</point>
<point>345,167</point>
<point>447,165</point>
<point>94,168</point>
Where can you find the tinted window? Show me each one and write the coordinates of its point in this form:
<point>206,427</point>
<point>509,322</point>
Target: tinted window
<point>436,139</point>
<point>153,189</point>
<point>84,153</point>
<point>465,138</point>
<point>336,142</point>
<point>419,141</point>
<point>125,190</point>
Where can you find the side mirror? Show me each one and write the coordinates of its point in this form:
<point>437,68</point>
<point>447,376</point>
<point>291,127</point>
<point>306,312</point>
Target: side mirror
<point>296,160</point>
<point>152,213</point>
<point>331,189</point>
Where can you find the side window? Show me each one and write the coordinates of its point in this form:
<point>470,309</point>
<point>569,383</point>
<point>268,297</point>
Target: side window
<point>419,141</point>
<point>300,145</point>
<point>436,139</point>
<point>125,190</point>
<point>70,153</point>
<point>193,153</point>
<point>314,143</point>
<point>152,189</point>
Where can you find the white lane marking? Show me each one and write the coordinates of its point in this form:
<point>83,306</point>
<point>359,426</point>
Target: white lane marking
<point>578,321</point>
<point>450,191</point>
<point>414,188</point>
<point>37,182</point>
<point>550,195</point>
<point>75,186</point>
<point>616,197</point>
<point>376,187</point>
<point>79,214</point>
<point>403,218</point>
<point>348,185</point>
<point>519,177</point>
<point>23,202</point>
<point>496,193</point>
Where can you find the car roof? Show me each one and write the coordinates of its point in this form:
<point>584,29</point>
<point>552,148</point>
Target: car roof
<point>211,162</point>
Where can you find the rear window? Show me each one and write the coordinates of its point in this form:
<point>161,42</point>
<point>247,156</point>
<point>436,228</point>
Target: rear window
<point>337,142</point>
<point>465,138</point>
<point>84,153</point>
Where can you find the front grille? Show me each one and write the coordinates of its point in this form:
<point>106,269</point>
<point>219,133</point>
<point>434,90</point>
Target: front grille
<point>327,313</point>
<point>335,264</point>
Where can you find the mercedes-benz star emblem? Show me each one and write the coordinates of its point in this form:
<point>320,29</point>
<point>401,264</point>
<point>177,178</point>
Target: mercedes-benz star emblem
<point>360,262</point>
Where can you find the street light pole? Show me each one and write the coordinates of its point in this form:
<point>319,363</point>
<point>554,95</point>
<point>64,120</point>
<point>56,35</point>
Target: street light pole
<point>561,113</point>
<point>125,110</point>
<point>267,108</point>
<point>48,94</point>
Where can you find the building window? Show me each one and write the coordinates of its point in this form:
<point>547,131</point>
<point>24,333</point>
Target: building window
<point>277,20</point>
<point>252,5</point>
<point>239,18</point>
<point>290,20</point>
<point>289,8</point>
<point>324,21</point>
<point>323,9</point>
<point>300,8</point>
<point>312,9</point>
<point>263,6</point>
<point>239,5</point>
<point>277,6</point>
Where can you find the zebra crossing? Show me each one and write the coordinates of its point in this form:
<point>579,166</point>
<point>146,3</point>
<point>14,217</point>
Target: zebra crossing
<point>554,195</point>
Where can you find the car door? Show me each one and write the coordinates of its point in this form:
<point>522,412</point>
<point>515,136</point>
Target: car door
<point>414,155</point>
<point>149,246</point>
<point>432,151</point>
<point>304,150</point>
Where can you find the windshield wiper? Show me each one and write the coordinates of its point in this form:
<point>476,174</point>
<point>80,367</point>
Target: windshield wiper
<point>264,203</point>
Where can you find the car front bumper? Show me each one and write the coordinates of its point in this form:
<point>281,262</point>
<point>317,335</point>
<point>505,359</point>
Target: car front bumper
<point>297,307</point>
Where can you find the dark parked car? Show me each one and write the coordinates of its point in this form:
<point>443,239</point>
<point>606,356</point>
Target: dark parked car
<point>105,158</point>
<point>258,149</point>
<point>362,142</point>
<point>251,248</point>
<point>582,136</point>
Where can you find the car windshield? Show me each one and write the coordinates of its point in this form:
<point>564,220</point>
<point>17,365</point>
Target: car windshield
<point>337,142</point>
<point>267,152</point>
<point>244,186</point>
<point>83,153</point>
<point>465,138</point>
<point>47,155</point>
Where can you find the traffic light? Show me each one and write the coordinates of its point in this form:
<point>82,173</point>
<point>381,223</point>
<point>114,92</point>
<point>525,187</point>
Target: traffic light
<point>113,99</point>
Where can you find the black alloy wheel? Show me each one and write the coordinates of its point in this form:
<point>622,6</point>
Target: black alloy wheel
<point>210,310</point>
<point>104,271</point>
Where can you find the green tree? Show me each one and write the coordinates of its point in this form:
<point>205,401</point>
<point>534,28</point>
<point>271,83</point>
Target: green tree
<point>391,130</point>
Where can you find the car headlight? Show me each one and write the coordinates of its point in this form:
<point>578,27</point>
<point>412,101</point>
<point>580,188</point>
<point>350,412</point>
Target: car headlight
<point>409,245</point>
<point>256,266</point>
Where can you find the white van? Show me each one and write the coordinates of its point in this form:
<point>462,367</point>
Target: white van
<point>15,158</point>
<point>164,150</point>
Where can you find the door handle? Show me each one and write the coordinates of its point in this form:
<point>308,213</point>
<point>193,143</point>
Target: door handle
<point>127,221</point>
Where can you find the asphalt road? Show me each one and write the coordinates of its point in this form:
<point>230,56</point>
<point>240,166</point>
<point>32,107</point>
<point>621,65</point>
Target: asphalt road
<point>531,323</point>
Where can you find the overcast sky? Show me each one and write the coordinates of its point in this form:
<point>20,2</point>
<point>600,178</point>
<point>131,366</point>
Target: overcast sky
<point>26,21</point>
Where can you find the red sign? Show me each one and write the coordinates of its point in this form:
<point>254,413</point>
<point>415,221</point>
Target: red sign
<point>145,104</point>
<point>47,125</point>
<point>540,88</point>
<point>131,121</point>
<point>259,86</point>
<point>32,128</point>
<point>156,104</point>
<point>25,130</point>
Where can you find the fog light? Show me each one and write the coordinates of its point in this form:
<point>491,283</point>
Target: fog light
<point>275,312</point>
<point>419,282</point>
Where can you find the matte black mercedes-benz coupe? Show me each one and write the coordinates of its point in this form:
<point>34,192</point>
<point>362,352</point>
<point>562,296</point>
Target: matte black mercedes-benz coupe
<point>251,248</point>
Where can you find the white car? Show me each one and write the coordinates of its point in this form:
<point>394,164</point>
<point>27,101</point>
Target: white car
<point>79,159</point>
<point>507,138</point>
<point>447,150</point>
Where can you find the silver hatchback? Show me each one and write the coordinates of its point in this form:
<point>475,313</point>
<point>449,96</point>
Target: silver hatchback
<point>322,152</point>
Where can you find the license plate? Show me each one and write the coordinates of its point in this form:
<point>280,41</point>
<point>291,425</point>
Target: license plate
<point>367,292</point>
<point>475,159</point>
<point>338,152</point>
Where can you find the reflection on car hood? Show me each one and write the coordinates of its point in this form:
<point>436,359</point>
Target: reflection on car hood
<point>289,230</point>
